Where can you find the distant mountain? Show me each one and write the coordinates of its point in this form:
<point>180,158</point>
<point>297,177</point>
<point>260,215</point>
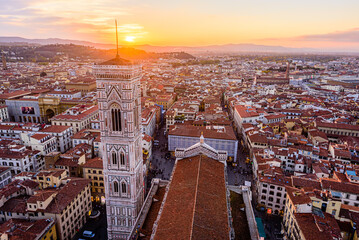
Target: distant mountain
<point>17,40</point>
<point>227,48</point>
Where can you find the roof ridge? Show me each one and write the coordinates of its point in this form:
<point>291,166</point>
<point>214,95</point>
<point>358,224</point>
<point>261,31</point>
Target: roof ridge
<point>195,197</point>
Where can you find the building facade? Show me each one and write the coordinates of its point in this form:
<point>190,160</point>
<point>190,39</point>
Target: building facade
<point>78,117</point>
<point>220,138</point>
<point>119,94</point>
<point>5,176</point>
<point>93,169</point>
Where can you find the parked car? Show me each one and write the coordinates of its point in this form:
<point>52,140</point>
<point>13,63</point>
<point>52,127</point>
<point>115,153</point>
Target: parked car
<point>94,214</point>
<point>88,234</point>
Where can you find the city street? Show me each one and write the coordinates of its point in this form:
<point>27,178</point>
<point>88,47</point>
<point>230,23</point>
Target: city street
<point>160,166</point>
<point>243,172</point>
<point>240,173</point>
<point>97,225</point>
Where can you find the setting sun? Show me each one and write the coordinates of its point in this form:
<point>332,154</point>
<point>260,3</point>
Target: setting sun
<point>130,38</point>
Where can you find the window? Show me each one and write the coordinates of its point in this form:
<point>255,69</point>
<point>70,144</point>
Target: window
<point>116,119</point>
<point>122,159</point>
<point>115,187</point>
<point>114,158</point>
<point>123,188</point>
<point>135,113</point>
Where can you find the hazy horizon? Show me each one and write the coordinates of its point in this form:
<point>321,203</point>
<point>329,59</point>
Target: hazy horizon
<point>308,24</point>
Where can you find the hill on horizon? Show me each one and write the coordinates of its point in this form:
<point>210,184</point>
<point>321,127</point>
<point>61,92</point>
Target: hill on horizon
<point>225,48</point>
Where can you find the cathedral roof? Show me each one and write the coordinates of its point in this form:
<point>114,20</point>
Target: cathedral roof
<point>117,61</point>
<point>196,205</point>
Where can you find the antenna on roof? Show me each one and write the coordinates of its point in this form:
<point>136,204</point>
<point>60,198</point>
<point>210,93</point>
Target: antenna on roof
<point>117,56</point>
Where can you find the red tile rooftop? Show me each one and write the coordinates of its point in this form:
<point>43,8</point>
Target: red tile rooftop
<point>40,136</point>
<point>195,131</point>
<point>66,194</point>
<point>18,229</point>
<point>82,111</point>
<point>337,126</point>
<point>196,203</point>
<point>246,112</point>
<point>14,94</point>
<point>51,172</point>
<point>55,129</point>
<point>298,196</point>
<point>335,185</point>
<point>86,134</point>
<point>3,169</point>
<point>94,163</point>
<point>314,227</point>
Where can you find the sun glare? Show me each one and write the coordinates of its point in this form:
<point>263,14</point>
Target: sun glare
<point>130,38</point>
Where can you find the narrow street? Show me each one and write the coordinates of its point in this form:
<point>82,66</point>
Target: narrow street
<point>160,166</point>
<point>97,225</point>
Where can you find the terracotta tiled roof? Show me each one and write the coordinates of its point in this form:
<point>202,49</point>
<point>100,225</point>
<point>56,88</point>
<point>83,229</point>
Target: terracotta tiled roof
<point>298,196</point>
<point>66,194</point>
<point>246,112</point>
<point>337,126</point>
<point>15,205</point>
<point>55,129</point>
<point>329,184</point>
<point>196,203</point>
<point>17,229</point>
<point>94,163</point>
<point>193,131</point>
<point>39,136</point>
<point>314,227</point>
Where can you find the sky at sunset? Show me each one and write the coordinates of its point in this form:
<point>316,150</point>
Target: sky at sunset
<point>305,23</point>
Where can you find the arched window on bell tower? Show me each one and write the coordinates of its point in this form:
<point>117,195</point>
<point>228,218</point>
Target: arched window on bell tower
<point>135,113</point>
<point>116,187</point>
<point>114,158</point>
<point>116,118</point>
<point>123,189</point>
<point>122,160</point>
